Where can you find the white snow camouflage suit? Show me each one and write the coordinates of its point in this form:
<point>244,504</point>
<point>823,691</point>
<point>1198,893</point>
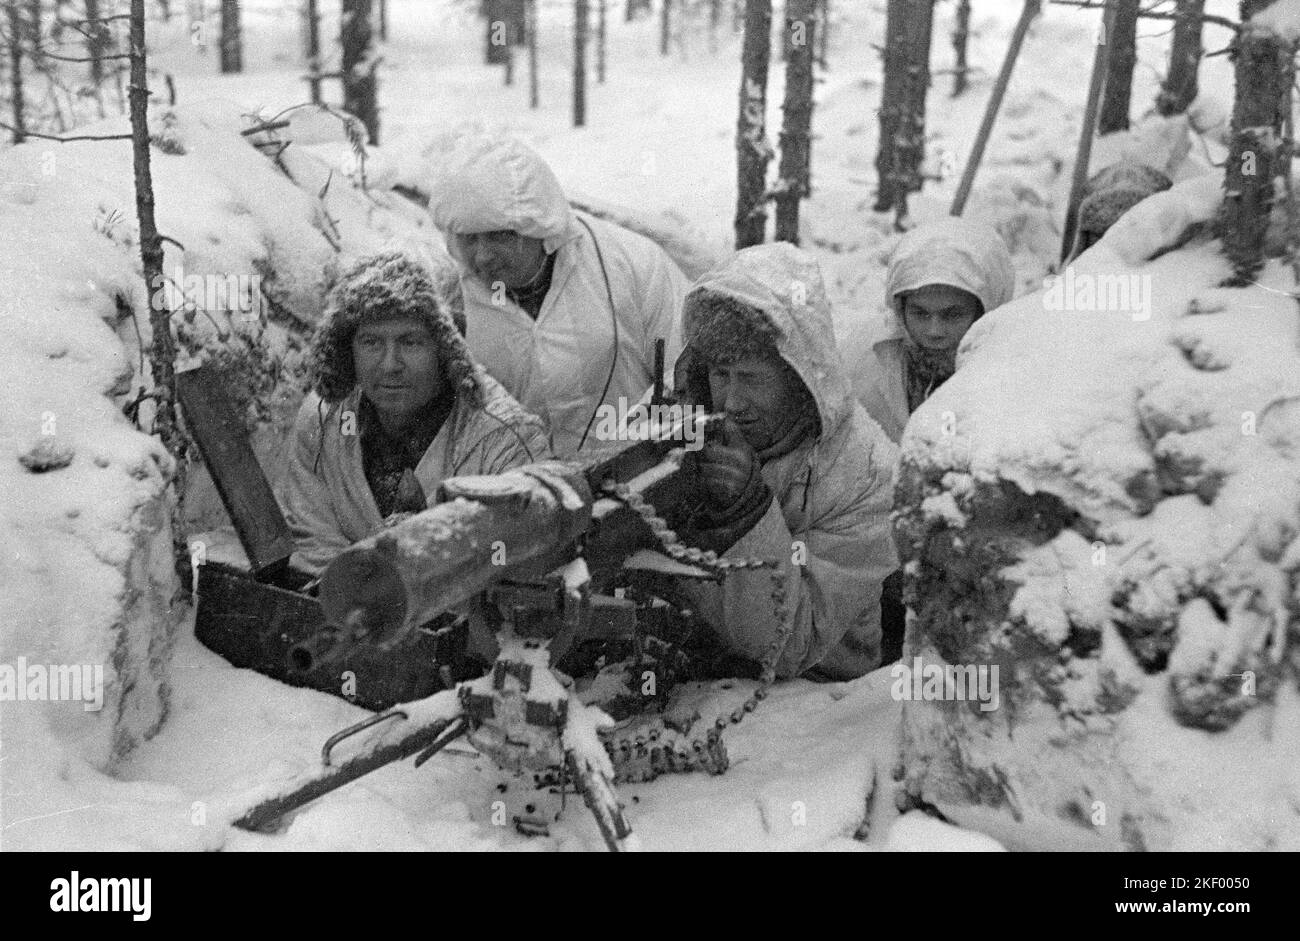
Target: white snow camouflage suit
<point>558,364</point>
<point>325,496</point>
<point>949,251</point>
<point>832,493</point>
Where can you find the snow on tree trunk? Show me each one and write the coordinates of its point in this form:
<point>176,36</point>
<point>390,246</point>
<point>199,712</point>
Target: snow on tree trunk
<point>960,38</point>
<point>1264,63</point>
<point>902,111</point>
<point>752,149</point>
<point>360,83</point>
<point>15,50</point>
<point>1118,91</point>
<point>579,63</point>
<point>232,41</point>
<point>796,143</point>
<point>312,15</point>
<point>1179,89</point>
<point>1102,506</point>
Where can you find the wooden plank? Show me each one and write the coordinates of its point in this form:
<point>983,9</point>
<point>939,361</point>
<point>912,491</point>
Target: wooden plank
<point>242,486</point>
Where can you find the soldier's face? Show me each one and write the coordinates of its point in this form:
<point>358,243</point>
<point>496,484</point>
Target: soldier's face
<point>500,257</point>
<point>938,315</point>
<point>760,394</point>
<point>397,367</point>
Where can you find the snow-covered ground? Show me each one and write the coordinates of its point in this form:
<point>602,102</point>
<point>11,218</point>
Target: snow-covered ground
<point>660,139</point>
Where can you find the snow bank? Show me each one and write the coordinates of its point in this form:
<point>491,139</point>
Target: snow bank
<point>1123,448</point>
<point>85,536</point>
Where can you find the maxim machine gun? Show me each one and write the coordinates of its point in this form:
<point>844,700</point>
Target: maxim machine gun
<point>567,568</point>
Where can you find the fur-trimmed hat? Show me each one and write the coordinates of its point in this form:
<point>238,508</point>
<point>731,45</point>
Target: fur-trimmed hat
<point>726,329</point>
<point>389,286</point>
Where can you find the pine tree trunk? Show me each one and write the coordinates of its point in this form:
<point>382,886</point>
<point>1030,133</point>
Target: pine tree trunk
<point>796,143</point>
<point>892,94</point>
<point>15,50</point>
<point>665,25</point>
<point>752,149</point>
<point>1180,86</point>
<point>232,42</point>
<point>823,32</point>
<point>579,63</point>
<point>600,45</point>
<point>95,42</point>
<point>534,95</point>
<point>902,112</point>
<point>1118,90</point>
<point>360,83</point>
<point>498,32</point>
<point>1265,70</point>
<point>313,50</point>
<point>960,38</point>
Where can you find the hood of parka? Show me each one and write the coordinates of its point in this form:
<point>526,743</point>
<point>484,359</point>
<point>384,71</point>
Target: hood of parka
<point>783,284</point>
<point>492,184</point>
<point>952,251</point>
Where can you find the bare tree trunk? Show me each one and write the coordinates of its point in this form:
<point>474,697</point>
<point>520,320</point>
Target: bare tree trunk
<point>1031,10</point>
<point>313,50</point>
<point>1265,69</point>
<point>892,94</point>
<point>534,98</point>
<point>15,50</point>
<point>579,63</point>
<point>232,41</point>
<point>1118,90</point>
<point>823,32</point>
<point>902,112</point>
<point>960,37</point>
<point>665,25</point>
<point>796,143</point>
<point>1083,156</point>
<point>752,149</point>
<point>600,45</point>
<point>96,36</point>
<point>162,349</point>
<point>1180,86</point>
<point>383,20</point>
<point>360,83</point>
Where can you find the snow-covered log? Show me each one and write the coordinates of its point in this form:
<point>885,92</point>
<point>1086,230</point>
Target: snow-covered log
<point>1099,518</point>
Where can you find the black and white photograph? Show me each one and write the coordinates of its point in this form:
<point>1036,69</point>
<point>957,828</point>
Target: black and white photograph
<point>674,426</point>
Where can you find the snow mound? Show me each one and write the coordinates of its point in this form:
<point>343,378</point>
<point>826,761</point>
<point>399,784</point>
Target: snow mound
<point>251,248</point>
<point>1122,454</point>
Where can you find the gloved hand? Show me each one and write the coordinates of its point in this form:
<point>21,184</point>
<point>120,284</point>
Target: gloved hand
<point>728,468</point>
<point>735,495</point>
